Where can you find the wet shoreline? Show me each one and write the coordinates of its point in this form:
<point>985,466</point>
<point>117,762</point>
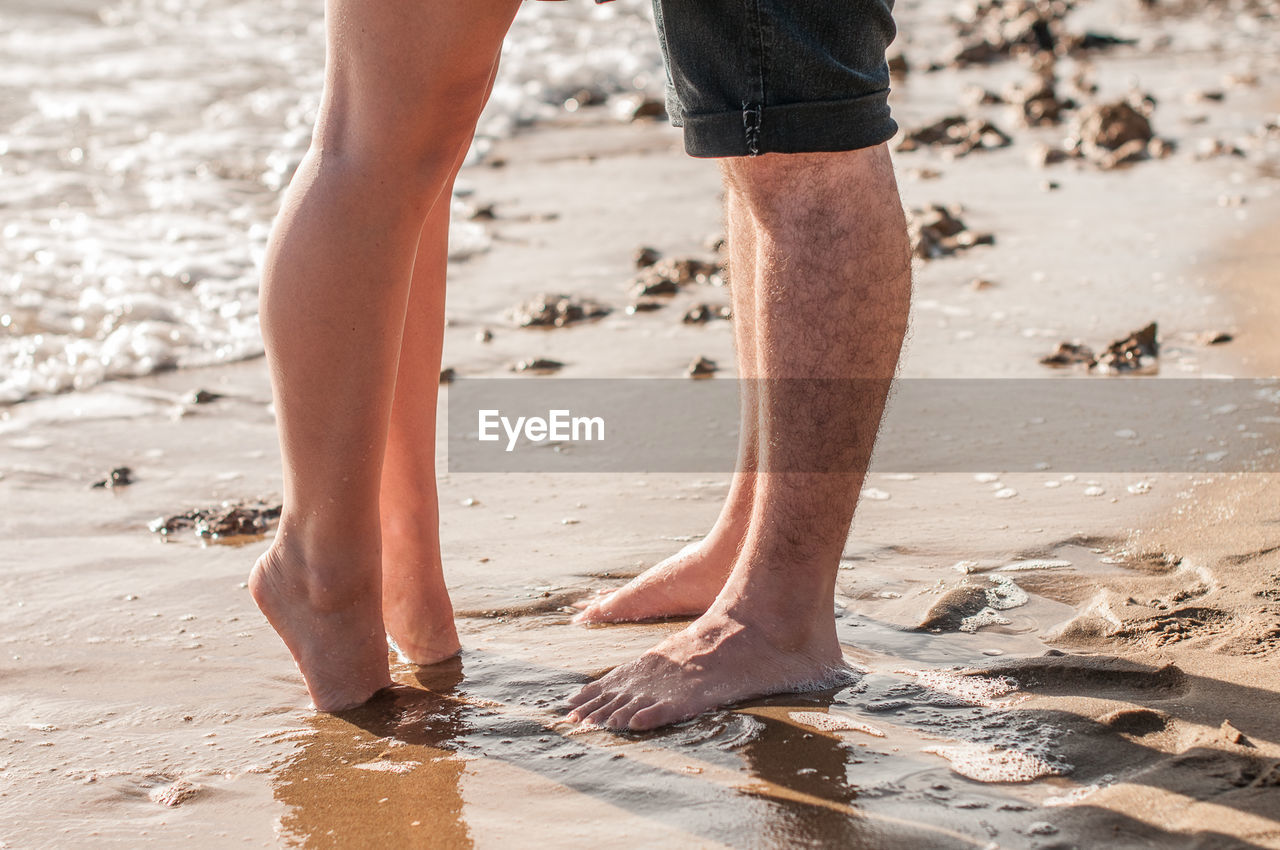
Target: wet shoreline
<point>1109,638</point>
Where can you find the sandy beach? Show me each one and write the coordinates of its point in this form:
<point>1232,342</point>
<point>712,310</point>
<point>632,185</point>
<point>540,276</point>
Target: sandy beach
<point>1053,657</point>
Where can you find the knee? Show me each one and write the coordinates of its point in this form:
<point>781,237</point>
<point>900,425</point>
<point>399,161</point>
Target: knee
<point>782,191</point>
<point>409,140</point>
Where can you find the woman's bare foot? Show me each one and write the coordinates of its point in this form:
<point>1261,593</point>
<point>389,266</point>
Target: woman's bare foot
<point>719,659</point>
<point>330,622</point>
<point>416,609</point>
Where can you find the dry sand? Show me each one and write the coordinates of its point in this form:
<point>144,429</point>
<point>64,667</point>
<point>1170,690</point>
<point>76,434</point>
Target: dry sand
<point>1131,700</point>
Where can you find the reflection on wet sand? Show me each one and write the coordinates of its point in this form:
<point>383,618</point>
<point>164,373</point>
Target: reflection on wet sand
<point>474,752</point>
<point>386,774</point>
<point>402,770</point>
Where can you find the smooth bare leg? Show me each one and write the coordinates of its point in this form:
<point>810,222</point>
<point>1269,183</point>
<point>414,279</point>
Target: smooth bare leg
<point>416,608</point>
<point>832,292</point>
<point>686,584</point>
<point>404,83</point>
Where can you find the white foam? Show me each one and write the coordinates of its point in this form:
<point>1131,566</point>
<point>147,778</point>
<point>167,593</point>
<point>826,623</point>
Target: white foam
<point>986,617</point>
<point>985,763</point>
<point>833,723</point>
<point>1035,564</point>
<point>975,690</point>
<point>136,216</point>
<point>384,766</point>
<point>1005,594</point>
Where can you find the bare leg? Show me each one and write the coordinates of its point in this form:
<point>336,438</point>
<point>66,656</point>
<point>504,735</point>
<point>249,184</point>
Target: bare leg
<point>687,583</point>
<point>416,608</point>
<point>403,88</point>
<point>832,295</point>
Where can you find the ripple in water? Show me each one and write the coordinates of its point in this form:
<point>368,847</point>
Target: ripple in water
<point>146,143</point>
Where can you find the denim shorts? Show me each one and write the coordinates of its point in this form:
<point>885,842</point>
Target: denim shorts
<point>749,77</point>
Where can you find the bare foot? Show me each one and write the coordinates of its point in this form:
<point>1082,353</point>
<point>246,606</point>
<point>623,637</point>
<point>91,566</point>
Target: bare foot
<point>683,585</point>
<point>416,608</point>
<point>717,660</point>
<point>333,630</point>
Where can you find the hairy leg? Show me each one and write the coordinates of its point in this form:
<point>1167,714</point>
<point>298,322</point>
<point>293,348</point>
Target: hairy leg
<point>403,87</point>
<point>416,609</point>
<point>686,584</point>
<point>832,290</point>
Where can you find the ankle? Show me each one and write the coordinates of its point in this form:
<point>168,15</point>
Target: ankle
<point>790,618</point>
<point>331,579</point>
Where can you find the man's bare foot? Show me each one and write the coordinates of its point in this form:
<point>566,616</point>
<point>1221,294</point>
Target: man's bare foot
<point>719,659</point>
<point>683,585</point>
<point>416,608</point>
<point>333,629</point>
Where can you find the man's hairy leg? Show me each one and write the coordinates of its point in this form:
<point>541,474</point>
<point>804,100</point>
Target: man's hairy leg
<point>832,292</point>
<point>686,584</point>
<point>404,82</point>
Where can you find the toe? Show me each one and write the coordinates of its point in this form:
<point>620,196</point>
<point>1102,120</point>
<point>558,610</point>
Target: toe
<point>589,602</point>
<point>589,692</point>
<point>588,613</point>
<point>596,610</point>
<point>621,718</point>
<point>581,712</point>
<point>605,711</point>
<point>659,714</point>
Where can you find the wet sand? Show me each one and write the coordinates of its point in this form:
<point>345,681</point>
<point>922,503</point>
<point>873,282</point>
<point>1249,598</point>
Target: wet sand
<point>1130,698</point>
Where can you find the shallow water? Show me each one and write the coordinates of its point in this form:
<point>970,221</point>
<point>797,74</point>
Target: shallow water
<point>144,145</point>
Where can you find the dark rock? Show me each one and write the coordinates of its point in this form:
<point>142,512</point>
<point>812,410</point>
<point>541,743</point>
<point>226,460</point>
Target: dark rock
<point>647,256</point>
<point>666,277</point>
<point>961,135</point>
<point>701,367</point>
<point>1038,99</point>
<point>702,313</point>
<point>653,108</point>
<point>644,307</point>
<point>221,524</point>
<point>937,231</point>
<point>1069,354</point>
<point>1110,126</point>
<point>552,310</point>
<point>121,476</point>
<point>447,375</point>
<point>1095,41</point>
<point>652,285</point>
<point>201,397</point>
<point>1137,352</point>
<point>688,270</point>
<point>537,365</point>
